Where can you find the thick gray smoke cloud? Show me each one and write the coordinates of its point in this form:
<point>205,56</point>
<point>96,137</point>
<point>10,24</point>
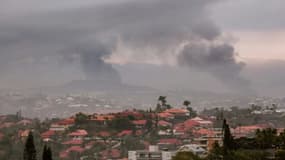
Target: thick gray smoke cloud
<point>93,65</point>
<point>217,59</point>
<point>149,27</point>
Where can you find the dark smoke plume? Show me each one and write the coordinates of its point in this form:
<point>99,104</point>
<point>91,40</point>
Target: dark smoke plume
<point>94,66</point>
<point>149,29</point>
<point>219,60</point>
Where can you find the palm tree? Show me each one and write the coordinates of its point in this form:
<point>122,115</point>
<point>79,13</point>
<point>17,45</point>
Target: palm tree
<point>187,103</point>
<point>161,102</point>
<point>162,99</point>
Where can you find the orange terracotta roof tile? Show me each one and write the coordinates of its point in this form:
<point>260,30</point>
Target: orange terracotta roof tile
<point>48,134</point>
<point>139,122</point>
<point>73,142</point>
<point>79,132</point>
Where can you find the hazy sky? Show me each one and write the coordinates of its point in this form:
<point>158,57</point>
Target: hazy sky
<point>258,26</point>
<point>232,41</point>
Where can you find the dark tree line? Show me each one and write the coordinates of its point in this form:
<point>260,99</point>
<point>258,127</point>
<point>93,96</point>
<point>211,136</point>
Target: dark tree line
<point>249,148</point>
<point>30,152</point>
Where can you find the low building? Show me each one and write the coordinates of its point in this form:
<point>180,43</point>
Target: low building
<point>247,131</point>
<point>169,143</point>
<point>207,141</point>
<point>202,122</point>
<point>162,123</point>
<point>194,148</point>
<point>101,119</point>
<point>62,125</point>
<point>152,154</point>
<point>178,112</point>
<point>48,135</point>
<point>166,116</point>
<point>78,134</point>
<point>179,129</point>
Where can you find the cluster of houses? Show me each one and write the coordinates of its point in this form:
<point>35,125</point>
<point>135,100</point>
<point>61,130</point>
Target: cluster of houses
<point>176,129</point>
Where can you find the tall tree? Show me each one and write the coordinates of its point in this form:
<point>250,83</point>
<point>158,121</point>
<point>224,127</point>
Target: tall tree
<point>44,156</point>
<point>228,140</point>
<point>30,152</point>
<point>192,113</point>
<point>162,104</point>
<point>267,138</point>
<point>149,124</point>
<point>216,153</point>
<point>186,103</point>
<point>81,118</point>
<point>162,99</point>
<point>47,154</point>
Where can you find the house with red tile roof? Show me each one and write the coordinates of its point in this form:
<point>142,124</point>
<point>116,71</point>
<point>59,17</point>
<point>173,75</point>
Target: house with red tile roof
<point>102,119</point>
<point>7,124</point>
<point>190,124</point>
<point>203,122</point>
<point>125,133</point>
<point>197,122</point>
<point>245,131</point>
<point>178,112</point>
<point>164,123</point>
<point>206,138</point>
<point>179,129</point>
<point>203,132</point>
<point>73,142</point>
<point>78,134</point>
<point>166,115</point>
<point>48,135</point>
<point>62,125</point>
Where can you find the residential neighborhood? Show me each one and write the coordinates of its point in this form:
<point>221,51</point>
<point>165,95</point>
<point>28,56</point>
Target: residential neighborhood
<point>154,134</point>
